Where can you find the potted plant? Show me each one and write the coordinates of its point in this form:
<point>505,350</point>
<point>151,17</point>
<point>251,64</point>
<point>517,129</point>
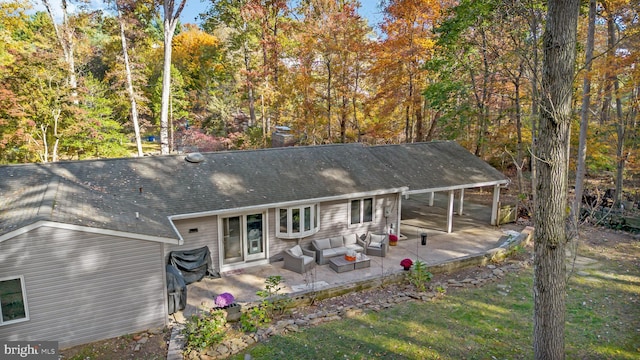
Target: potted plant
<point>393,239</point>
<point>226,302</point>
<point>406,264</point>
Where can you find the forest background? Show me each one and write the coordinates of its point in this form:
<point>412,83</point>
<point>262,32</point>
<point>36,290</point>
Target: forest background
<point>75,81</point>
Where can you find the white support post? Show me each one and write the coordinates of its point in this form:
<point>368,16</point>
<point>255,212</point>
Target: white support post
<point>494,208</point>
<point>431,197</point>
<point>450,211</point>
<point>399,215</point>
<point>461,203</point>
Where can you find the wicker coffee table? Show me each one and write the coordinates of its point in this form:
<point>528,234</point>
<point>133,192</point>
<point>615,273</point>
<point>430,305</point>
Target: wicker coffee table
<point>339,264</point>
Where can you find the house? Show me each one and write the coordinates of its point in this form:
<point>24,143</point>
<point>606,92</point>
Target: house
<point>83,245</point>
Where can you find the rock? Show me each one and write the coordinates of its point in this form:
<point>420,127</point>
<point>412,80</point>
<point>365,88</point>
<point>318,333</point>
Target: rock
<point>351,313</point>
<point>248,340</point>
<point>143,340</point>
<point>222,349</point>
<point>137,347</point>
<point>156,331</point>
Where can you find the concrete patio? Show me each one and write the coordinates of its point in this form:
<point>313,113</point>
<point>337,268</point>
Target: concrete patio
<point>472,234</point>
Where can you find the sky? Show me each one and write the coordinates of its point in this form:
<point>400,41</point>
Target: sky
<point>368,9</point>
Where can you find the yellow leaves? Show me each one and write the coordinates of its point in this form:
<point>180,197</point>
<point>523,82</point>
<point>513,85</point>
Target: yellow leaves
<point>193,41</point>
<point>195,52</point>
<point>425,43</point>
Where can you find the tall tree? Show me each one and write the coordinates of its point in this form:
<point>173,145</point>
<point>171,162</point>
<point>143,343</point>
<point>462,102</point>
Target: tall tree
<point>408,42</point>
<point>64,33</point>
<point>584,117</point>
<point>235,17</point>
<point>171,19</point>
<point>559,42</point>
<point>130,91</point>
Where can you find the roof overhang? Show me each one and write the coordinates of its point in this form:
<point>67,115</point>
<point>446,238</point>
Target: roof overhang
<point>400,190</point>
<point>57,225</point>
<point>458,187</point>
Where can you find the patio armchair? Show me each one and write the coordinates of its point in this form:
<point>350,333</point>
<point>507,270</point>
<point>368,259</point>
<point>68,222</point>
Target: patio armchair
<point>376,245</point>
<point>298,259</point>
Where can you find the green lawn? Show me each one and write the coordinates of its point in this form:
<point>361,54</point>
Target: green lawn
<point>492,322</point>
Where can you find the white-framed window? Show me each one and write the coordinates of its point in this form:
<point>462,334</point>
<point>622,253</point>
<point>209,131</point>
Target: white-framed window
<point>13,300</point>
<point>361,211</point>
<point>298,221</point>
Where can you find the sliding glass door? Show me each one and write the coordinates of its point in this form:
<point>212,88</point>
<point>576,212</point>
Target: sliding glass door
<point>243,238</point>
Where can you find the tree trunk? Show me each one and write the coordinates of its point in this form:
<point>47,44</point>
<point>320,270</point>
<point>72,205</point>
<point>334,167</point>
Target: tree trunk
<point>417,109</point>
<point>621,126</point>
<point>356,124</point>
<point>170,23</point>
<point>56,136</point>
<point>408,132</point>
<point>433,125</point>
<point>519,152</point>
<point>65,38</point>
<point>584,117</point>
<point>483,104</point>
<point>166,91</point>
<point>609,73</point>
<point>535,100</point>
<point>45,144</point>
<point>343,119</point>
<point>132,96</point>
<point>550,235</point>
<point>247,66</point>
<point>328,63</point>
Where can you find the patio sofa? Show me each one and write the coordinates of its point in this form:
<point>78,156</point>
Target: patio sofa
<point>335,246</point>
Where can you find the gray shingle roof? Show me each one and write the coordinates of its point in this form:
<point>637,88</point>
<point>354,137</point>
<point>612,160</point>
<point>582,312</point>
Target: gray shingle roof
<point>106,194</point>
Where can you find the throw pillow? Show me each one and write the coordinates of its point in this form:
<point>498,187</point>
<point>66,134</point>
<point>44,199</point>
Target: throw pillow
<point>377,238</point>
<point>296,250</point>
<point>321,244</point>
<point>350,239</point>
<point>336,242</point>
<point>375,244</point>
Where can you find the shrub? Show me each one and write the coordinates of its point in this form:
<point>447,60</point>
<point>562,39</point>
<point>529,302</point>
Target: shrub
<point>272,302</point>
<point>204,330</point>
<point>271,297</point>
<point>254,318</point>
<point>419,276</point>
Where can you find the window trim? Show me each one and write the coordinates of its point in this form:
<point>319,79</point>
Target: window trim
<point>314,219</point>
<point>361,202</point>
<point>24,301</point>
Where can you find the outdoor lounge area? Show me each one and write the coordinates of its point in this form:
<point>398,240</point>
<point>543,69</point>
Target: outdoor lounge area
<point>473,235</point>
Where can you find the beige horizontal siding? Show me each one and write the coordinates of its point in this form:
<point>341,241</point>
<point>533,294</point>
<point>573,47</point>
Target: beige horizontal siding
<point>207,235</point>
<point>83,287</point>
<point>334,220</point>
